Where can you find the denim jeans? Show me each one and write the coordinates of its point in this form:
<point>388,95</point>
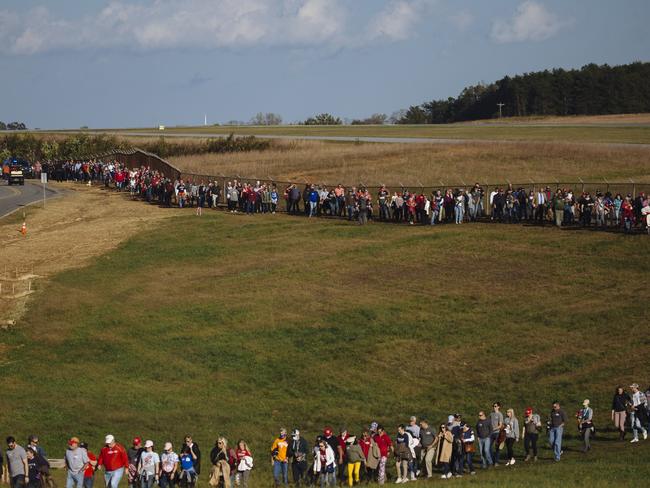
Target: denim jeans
<point>112,478</point>
<point>484,446</point>
<point>635,423</point>
<point>75,480</point>
<point>460,212</point>
<point>493,442</point>
<point>434,216</point>
<point>327,479</point>
<point>147,481</point>
<point>468,462</point>
<point>281,472</point>
<point>555,439</point>
<point>89,481</point>
<point>166,480</point>
<point>312,208</point>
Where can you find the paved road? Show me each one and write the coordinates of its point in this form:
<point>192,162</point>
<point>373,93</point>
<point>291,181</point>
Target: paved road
<point>12,197</point>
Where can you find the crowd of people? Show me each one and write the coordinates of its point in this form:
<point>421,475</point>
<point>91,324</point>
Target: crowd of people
<point>561,207</point>
<point>416,450</point>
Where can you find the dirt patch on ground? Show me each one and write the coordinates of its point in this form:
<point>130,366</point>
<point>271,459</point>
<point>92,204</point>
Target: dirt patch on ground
<point>67,233</point>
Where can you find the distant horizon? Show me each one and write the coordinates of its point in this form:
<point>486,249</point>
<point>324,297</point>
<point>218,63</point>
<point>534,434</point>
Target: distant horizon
<point>136,64</point>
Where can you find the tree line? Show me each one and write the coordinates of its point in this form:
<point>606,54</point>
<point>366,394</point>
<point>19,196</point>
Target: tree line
<point>591,90</point>
<point>12,126</point>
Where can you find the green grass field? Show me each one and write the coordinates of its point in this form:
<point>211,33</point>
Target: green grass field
<point>233,325</point>
<point>578,133</point>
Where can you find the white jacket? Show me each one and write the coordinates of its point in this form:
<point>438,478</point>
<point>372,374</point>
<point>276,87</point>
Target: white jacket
<point>329,459</point>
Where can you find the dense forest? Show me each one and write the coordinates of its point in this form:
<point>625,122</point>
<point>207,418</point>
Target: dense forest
<point>591,90</point>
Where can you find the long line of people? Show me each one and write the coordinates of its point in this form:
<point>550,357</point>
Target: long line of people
<point>562,207</point>
<point>417,450</point>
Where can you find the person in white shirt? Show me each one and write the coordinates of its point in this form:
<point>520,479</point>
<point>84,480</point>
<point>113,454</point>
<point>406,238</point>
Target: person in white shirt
<point>638,415</point>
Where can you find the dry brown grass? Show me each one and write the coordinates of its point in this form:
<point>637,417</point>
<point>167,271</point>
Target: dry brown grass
<point>612,119</point>
<point>427,164</point>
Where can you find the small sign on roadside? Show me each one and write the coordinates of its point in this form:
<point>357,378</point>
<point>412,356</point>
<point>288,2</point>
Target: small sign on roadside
<point>43,178</point>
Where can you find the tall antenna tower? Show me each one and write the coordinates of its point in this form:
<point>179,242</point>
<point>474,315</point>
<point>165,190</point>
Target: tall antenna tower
<point>205,121</point>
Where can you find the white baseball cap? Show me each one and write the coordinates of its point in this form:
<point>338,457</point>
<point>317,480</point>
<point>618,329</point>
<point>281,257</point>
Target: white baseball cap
<point>109,439</point>
<point>148,443</point>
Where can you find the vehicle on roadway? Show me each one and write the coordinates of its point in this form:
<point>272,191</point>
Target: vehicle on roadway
<point>16,170</point>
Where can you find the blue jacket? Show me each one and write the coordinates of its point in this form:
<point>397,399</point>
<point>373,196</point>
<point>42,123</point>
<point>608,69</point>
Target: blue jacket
<point>313,196</point>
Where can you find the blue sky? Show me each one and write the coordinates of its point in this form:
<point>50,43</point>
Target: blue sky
<point>134,63</point>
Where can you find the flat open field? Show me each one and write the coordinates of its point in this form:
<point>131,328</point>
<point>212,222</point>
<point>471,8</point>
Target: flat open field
<point>234,325</point>
<point>627,129</point>
<point>421,164</point>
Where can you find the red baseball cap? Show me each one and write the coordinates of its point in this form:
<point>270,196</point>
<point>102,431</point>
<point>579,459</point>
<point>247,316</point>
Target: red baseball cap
<point>73,440</point>
<point>137,441</point>
<point>327,431</point>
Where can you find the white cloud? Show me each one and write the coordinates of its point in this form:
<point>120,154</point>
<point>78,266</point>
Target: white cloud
<point>531,22</point>
<point>397,21</point>
<point>160,24</point>
<point>462,20</point>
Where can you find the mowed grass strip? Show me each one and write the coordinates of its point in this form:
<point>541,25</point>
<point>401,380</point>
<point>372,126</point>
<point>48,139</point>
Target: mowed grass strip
<point>239,325</point>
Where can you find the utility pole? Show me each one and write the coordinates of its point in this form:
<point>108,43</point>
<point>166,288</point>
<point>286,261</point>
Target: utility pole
<point>205,122</point>
<point>500,105</point>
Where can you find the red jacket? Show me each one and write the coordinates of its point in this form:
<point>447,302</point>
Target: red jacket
<point>384,443</point>
<point>113,458</point>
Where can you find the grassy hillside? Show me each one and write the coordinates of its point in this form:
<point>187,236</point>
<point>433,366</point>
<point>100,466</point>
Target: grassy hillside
<point>235,325</point>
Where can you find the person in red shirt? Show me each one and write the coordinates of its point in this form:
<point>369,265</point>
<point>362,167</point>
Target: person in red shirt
<point>114,460</point>
<point>89,474</point>
<point>385,445</point>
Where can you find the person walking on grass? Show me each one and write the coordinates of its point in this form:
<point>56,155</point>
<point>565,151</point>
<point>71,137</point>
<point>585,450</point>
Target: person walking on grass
<point>511,425</point>
<point>168,466</point>
<point>468,448</point>
<point>585,424</point>
<point>638,413</point>
<point>17,469</point>
<point>297,453</point>
<point>496,423</point>
<point>76,462</point>
<point>484,433</point>
<point>188,474</point>
<point>619,410</point>
<point>114,460</point>
<point>355,458</point>
<point>385,449</point>
<point>558,418</point>
<point>280,460</point>
<point>325,464</point>
<point>402,454</point>
<point>149,466</point>
<point>444,444</point>
<point>531,429</point>
<point>89,473</point>
<point>371,456</point>
<point>133,453</point>
<point>38,468</point>
<point>244,463</point>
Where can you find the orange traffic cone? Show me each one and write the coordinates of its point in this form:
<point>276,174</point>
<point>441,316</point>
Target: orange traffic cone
<point>23,229</point>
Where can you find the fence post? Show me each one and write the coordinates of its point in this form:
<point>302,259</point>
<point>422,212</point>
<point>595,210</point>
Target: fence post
<point>633,188</point>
